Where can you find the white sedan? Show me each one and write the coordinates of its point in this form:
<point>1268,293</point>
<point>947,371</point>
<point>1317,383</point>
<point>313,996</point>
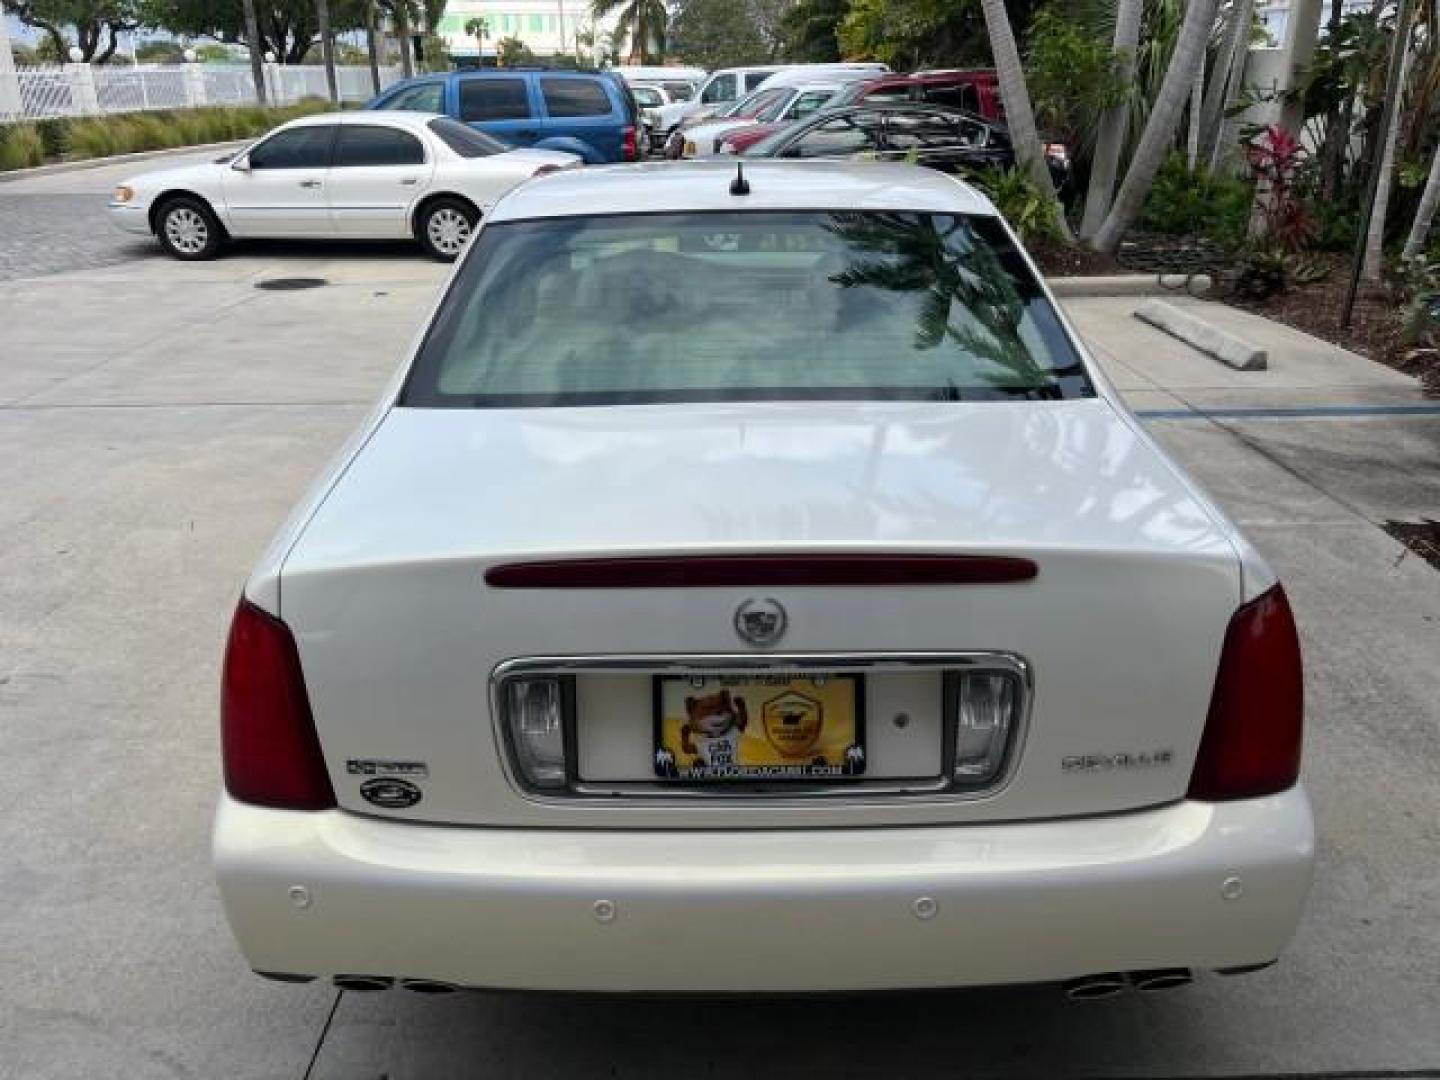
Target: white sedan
<point>751,584</point>
<point>369,175</point>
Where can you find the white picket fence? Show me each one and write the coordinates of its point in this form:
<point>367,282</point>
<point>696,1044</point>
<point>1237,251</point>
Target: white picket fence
<point>36,93</point>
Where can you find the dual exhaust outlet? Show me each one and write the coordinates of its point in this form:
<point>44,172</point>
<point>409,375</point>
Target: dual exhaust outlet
<point>1094,987</point>
<point>1085,988</point>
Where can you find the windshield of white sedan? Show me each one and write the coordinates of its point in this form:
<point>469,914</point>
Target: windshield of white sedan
<point>749,307</point>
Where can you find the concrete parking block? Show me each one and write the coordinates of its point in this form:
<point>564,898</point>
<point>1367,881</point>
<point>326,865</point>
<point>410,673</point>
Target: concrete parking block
<point>1203,336</point>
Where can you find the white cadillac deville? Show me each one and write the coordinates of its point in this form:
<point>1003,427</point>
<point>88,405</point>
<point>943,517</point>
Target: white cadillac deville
<point>752,585</point>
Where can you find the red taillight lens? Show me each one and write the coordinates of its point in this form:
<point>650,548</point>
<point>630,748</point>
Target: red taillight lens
<point>630,150</point>
<point>1251,745</point>
<point>272,755</point>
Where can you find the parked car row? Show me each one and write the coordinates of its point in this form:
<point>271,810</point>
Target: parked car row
<point>463,138</point>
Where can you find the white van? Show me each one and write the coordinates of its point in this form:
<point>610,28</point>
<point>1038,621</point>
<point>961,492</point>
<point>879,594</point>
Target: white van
<point>731,84</point>
<point>637,73</point>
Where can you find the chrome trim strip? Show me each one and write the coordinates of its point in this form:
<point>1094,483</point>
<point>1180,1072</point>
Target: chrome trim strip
<point>892,790</point>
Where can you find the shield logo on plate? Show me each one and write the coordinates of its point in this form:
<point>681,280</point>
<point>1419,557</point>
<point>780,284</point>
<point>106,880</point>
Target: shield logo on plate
<point>792,722</point>
<point>760,622</point>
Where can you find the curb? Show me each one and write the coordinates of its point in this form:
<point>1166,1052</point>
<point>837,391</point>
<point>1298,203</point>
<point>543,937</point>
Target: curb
<point>1206,337</point>
<point>1130,285</point>
<point>119,159</point>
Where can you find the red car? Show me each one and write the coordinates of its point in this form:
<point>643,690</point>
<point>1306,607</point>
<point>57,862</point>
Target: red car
<point>976,91</point>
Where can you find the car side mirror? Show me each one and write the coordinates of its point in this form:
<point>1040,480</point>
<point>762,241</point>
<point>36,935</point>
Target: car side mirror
<point>790,151</point>
<point>241,163</point>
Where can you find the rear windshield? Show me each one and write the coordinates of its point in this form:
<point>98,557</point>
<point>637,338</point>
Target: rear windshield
<point>810,305</point>
<point>465,140</point>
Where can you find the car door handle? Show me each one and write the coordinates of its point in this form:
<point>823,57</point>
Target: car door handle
<point>309,183</point>
<point>409,181</point>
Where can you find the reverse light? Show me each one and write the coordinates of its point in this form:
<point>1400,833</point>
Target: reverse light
<point>1253,733</point>
<point>986,705</point>
<point>124,194</point>
<point>535,715</point>
<point>267,734</point>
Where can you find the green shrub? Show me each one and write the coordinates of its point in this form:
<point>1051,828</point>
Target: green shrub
<point>53,133</point>
<point>20,146</point>
<point>1021,202</point>
<point>27,144</point>
<point>1199,203</point>
<point>92,138</point>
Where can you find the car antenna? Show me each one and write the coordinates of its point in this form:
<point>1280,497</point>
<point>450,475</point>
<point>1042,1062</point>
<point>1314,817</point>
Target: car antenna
<point>739,186</point>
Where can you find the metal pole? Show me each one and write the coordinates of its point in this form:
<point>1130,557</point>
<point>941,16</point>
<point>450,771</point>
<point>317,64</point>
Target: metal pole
<point>252,42</point>
<point>1387,117</point>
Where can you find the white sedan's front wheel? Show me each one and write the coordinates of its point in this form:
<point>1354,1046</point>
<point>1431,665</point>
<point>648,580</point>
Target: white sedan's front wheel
<point>188,229</point>
<point>444,228</point>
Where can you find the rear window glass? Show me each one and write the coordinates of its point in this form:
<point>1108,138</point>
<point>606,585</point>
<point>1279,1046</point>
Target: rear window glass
<point>490,98</point>
<point>574,97</point>
<point>763,306</point>
<point>465,140</point>
<point>427,97</point>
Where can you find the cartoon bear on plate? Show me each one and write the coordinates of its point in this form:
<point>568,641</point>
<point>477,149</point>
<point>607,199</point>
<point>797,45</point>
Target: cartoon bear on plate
<point>712,729</point>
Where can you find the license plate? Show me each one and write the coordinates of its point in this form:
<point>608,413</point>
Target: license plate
<point>759,728</point>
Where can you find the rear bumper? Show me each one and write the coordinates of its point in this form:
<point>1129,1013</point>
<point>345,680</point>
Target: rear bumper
<point>785,911</point>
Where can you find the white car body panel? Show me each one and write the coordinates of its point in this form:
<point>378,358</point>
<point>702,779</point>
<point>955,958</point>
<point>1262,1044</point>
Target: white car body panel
<point>371,202</point>
<point>1051,875</point>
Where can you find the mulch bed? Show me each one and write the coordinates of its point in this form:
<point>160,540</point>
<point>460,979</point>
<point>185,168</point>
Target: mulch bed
<point>1421,537</point>
<point>1313,308</point>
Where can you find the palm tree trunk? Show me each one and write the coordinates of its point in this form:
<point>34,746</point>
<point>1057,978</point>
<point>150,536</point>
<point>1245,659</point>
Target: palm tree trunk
<point>252,42</point>
<point>407,47</point>
<point>1375,237</point>
<point>327,48</point>
<point>1238,61</point>
<point>372,49</point>
<point>1112,127</point>
<point>1159,131</point>
<point>1425,215</point>
<point>1197,96</point>
<point>1019,113</point>
<point>1229,68</point>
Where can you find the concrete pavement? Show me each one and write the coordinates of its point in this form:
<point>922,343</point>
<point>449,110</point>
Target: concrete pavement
<point>157,419</point>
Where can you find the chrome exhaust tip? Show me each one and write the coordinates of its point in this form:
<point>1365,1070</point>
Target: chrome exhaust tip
<point>363,984</point>
<point>1148,982</point>
<point>1094,987</point>
<point>428,986</point>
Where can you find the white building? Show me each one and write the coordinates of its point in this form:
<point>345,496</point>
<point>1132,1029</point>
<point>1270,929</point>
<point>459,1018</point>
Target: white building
<point>545,26</point>
<point>1274,14</point>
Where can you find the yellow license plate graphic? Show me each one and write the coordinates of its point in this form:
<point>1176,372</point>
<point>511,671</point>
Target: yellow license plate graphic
<point>759,727</point>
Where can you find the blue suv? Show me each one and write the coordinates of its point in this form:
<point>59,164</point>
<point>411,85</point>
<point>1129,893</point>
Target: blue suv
<point>588,113</point>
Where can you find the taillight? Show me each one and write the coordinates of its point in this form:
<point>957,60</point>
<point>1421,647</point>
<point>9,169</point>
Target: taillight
<point>1251,745</point>
<point>272,755</point>
<point>630,151</point>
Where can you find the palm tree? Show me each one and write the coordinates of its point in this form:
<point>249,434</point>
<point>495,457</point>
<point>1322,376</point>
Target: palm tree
<point>478,28</point>
<point>327,48</point>
<point>402,31</point>
<point>644,22</point>
<point>1425,215</point>
<point>1225,83</point>
<point>1159,134</point>
<point>372,49</point>
<point>1375,235</point>
<point>1019,113</point>
<point>1112,127</point>
<point>252,42</point>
